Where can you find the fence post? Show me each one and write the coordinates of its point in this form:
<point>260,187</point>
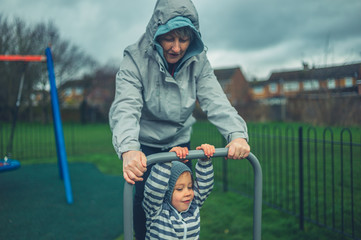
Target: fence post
<point>300,155</point>
<point>1,140</point>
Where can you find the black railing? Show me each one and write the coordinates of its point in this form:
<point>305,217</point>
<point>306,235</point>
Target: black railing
<point>311,173</point>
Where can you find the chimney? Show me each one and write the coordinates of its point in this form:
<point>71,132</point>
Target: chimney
<point>305,66</point>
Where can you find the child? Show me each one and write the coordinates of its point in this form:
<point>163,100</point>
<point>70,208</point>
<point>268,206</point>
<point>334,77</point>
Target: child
<point>171,199</point>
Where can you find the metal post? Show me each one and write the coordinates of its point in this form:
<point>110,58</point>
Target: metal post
<point>9,149</point>
<point>300,154</point>
<point>58,129</point>
<point>194,154</point>
<point>225,170</point>
<point>225,175</point>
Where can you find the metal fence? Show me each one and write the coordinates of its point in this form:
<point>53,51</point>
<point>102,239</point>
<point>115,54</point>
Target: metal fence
<point>308,172</point>
<point>311,173</point>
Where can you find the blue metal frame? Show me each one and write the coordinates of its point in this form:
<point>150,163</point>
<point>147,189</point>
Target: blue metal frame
<point>58,129</point>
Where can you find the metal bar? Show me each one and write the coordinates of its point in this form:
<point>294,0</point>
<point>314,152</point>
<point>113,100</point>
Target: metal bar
<point>23,58</point>
<point>58,129</point>
<point>194,154</point>
<point>9,149</point>
<point>328,129</point>
<point>300,153</point>
<point>346,130</point>
<point>225,169</point>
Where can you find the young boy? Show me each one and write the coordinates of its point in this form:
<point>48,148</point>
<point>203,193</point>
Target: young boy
<point>172,198</point>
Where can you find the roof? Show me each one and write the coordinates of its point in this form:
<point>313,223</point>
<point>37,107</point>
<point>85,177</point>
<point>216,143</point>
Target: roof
<point>351,70</point>
<point>74,83</point>
<point>225,73</point>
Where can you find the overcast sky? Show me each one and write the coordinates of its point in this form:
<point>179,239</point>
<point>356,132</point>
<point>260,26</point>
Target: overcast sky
<point>260,36</point>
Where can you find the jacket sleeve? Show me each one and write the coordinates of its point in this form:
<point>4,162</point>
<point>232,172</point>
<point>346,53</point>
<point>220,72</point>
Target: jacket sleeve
<point>125,111</point>
<point>215,104</point>
<point>155,188</point>
<point>204,181</point>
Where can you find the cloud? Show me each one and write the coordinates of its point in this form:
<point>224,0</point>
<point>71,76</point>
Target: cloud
<point>252,25</point>
<point>258,35</point>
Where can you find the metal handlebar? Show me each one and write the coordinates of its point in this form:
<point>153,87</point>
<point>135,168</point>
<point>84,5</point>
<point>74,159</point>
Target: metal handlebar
<point>195,154</point>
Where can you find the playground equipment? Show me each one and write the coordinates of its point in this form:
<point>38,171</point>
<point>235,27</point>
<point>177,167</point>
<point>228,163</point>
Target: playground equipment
<point>7,163</point>
<point>195,154</point>
<point>10,164</point>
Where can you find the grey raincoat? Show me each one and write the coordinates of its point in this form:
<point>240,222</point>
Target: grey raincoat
<point>154,108</point>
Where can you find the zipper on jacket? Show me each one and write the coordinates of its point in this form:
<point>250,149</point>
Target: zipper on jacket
<point>185,229</point>
<point>161,69</point>
<point>184,223</point>
<point>158,95</point>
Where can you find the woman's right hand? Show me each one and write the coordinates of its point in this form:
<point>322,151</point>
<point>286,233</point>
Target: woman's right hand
<point>134,166</point>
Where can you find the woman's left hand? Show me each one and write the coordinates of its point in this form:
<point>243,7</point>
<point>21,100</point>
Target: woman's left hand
<point>238,148</point>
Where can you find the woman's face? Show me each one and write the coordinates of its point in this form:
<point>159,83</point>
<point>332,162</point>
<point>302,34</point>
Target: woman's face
<point>174,47</point>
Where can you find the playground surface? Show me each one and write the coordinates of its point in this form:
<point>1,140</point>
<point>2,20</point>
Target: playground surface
<point>33,203</point>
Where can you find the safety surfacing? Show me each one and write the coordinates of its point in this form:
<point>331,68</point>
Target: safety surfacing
<point>33,204</point>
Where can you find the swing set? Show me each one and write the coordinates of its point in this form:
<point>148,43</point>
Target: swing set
<point>7,163</point>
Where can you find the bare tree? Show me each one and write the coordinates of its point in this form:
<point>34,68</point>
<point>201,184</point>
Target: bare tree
<point>18,37</point>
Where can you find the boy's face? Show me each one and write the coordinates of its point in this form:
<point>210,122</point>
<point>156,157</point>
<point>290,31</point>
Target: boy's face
<point>183,192</point>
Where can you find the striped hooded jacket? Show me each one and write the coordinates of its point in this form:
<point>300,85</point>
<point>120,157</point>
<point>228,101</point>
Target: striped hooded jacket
<point>153,108</point>
<point>163,220</point>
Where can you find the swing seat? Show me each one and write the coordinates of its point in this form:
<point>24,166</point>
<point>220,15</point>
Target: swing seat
<point>9,164</point>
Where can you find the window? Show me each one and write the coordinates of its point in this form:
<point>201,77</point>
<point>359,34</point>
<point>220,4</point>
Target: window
<point>331,83</point>
<point>291,86</point>
<point>348,82</point>
<point>272,88</point>
<point>67,92</point>
<point>311,85</point>
<point>258,90</point>
<point>78,91</point>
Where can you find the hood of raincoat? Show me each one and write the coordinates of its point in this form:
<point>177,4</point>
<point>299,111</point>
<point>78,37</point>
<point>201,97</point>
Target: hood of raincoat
<point>169,15</point>
<point>165,10</point>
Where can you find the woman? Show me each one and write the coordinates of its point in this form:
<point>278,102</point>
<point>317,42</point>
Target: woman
<point>159,81</point>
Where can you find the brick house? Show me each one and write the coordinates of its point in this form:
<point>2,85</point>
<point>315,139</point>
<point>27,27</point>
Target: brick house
<point>234,84</point>
<point>343,79</point>
<point>72,93</point>
<point>325,95</point>
<point>90,97</point>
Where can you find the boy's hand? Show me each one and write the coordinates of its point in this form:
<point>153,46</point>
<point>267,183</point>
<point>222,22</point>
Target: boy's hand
<point>181,152</point>
<point>208,150</point>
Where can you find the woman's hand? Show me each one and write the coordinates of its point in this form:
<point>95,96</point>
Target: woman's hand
<point>134,166</point>
<point>208,150</point>
<point>238,149</point>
